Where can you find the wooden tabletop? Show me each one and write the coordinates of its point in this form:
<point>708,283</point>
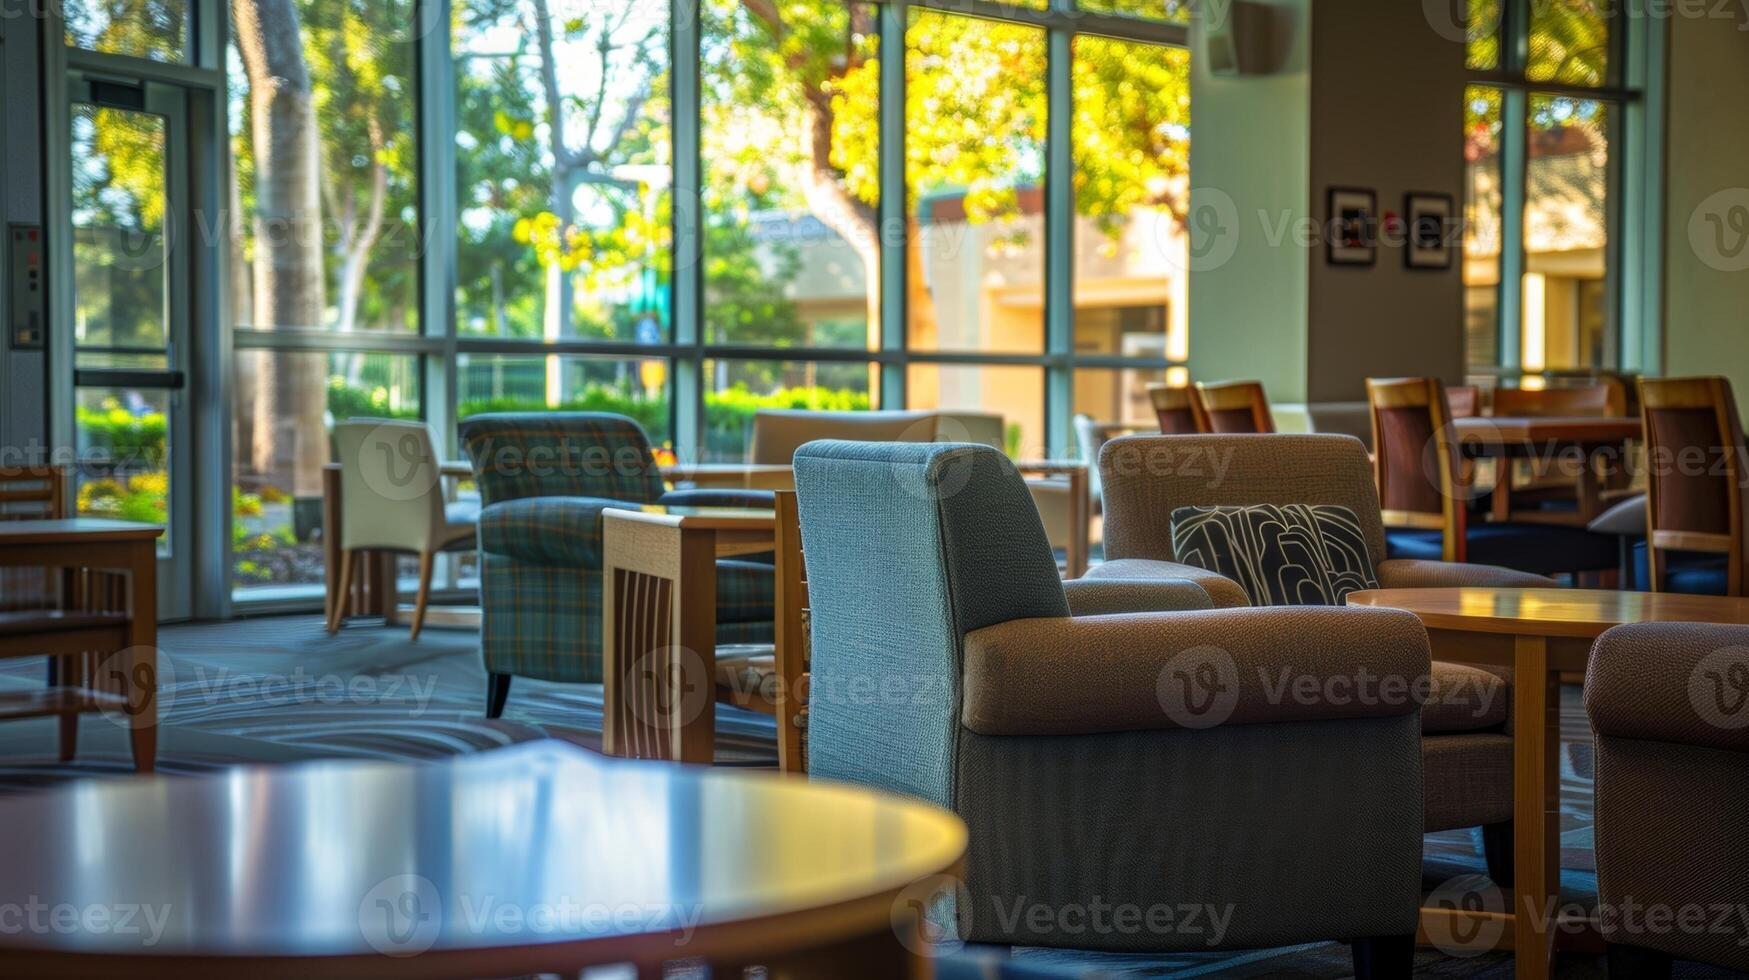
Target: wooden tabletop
<point>75,529</point>
<point>1495,430</point>
<point>1583,613</point>
<point>719,518</point>
<point>536,858</point>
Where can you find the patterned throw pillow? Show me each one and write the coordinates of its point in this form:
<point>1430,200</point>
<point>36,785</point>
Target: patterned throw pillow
<point>1297,555</point>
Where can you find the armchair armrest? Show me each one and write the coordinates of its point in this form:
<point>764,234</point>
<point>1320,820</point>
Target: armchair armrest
<point>1683,683</point>
<point>562,531</point>
<point>1101,596</point>
<point>720,497</point>
<point>1223,591</point>
<point>1411,573</point>
<point>1149,671</point>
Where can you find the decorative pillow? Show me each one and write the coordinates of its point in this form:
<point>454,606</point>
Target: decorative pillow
<point>1297,555</point>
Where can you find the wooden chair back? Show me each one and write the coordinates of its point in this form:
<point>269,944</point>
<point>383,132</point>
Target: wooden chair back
<point>31,493</point>
<point>1695,498</point>
<point>1235,406</point>
<point>1465,401</point>
<point>1606,399</point>
<point>1415,458</point>
<point>1177,408</point>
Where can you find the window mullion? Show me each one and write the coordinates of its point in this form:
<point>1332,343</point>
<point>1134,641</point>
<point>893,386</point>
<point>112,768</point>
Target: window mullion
<point>1514,163</point>
<point>1059,242</point>
<point>893,213</point>
<point>687,280</point>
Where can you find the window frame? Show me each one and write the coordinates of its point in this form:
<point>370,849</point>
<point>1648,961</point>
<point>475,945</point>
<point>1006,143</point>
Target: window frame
<point>1627,198</point>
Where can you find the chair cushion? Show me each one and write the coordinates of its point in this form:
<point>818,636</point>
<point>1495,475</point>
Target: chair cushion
<point>1686,572</point>
<point>746,592</point>
<point>564,531</point>
<point>1546,549</point>
<point>1292,555</point>
<point>1464,699</point>
<point>749,669</point>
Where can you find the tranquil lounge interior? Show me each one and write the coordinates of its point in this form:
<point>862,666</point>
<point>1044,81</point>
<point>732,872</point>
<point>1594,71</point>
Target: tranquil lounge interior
<point>871,488</point>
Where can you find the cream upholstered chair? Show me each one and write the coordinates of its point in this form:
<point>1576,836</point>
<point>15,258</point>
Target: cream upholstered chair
<point>393,500</point>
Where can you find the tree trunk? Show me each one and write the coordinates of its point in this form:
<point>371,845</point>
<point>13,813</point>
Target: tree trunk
<point>291,440</point>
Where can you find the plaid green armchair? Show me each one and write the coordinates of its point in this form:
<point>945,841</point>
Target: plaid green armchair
<point>544,481</point>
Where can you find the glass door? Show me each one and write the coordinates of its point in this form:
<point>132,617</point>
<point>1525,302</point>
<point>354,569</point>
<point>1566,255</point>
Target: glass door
<point>128,220</point>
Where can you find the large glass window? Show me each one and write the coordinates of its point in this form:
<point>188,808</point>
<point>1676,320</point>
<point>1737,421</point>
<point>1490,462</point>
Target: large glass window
<point>792,190</point>
<point>1540,292</point>
<point>155,29</point>
<point>553,280</point>
<point>563,170</point>
<point>975,118</point>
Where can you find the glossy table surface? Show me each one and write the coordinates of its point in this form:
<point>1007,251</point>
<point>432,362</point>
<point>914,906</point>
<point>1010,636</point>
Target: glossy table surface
<point>726,518</point>
<point>508,861</point>
<point>1551,612</point>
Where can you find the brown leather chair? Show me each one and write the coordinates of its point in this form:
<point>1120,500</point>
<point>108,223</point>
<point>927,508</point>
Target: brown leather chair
<point>1549,489</point>
<point>1177,409</point>
<point>1604,399</point>
<point>1467,747</point>
<point>1465,401</point>
<point>1425,495</point>
<point>1668,704</point>
<point>1235,406</point>
<point>1695,499</point>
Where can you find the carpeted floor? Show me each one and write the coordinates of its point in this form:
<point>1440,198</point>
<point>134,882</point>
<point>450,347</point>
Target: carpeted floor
<point>280,690</point>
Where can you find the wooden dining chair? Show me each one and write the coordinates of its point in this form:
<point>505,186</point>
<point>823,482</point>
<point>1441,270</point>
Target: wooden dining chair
<point>1424,494</point>
<point>1465,401</point>
<point>1695,498</point>
<point>1177,408</point>
<point>73,617</point>
<point>770,679</point>
<point>1235,406</point>
<point>1550,490</point>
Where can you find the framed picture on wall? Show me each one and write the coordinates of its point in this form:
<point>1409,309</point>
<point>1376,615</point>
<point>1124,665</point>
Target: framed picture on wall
<point>1353,228</point>
<point>1432,226</point>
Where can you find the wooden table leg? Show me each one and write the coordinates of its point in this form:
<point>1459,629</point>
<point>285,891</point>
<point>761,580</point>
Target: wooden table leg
<point>1080,516</point>
<point>142,670</point>
<point>331,531</point>
<point>1536,804</point>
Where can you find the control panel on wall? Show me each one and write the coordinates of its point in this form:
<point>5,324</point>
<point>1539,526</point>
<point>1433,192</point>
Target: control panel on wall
<point>29,296</point>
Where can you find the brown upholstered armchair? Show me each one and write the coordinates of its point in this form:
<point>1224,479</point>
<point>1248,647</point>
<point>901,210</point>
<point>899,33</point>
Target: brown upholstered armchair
<point>1467,739</point>
<point>1669,708</point>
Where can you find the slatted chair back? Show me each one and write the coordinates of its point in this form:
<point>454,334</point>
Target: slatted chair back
<point>1235,406</point>
<point>1695,498</point>
<point>1415,458</point>
<point>31,493</point>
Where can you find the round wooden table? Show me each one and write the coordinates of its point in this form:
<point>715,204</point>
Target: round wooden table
<point>531,859</point>
<point>1540,633</point>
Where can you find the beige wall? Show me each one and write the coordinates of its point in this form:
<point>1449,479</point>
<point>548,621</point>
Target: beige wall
<point>1249,150</point>
<point>1386,114</point>
<point>1366,94</point>
<point>1706,305</point>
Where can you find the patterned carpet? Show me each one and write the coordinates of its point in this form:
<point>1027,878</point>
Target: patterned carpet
<point>282,690</point>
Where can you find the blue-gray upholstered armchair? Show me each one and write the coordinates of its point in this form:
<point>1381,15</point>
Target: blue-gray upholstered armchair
<point>544,480</point>
<point>950,663</point>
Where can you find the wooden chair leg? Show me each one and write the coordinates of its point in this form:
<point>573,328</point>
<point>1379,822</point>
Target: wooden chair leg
<point>427,560</point>
<point>343,599</point>
<point>69,736</point>
<point>497,692</point>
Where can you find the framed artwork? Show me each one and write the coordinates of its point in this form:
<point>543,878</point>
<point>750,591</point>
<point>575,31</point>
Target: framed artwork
<point>1432,225</point>
<point>1354,227</point>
